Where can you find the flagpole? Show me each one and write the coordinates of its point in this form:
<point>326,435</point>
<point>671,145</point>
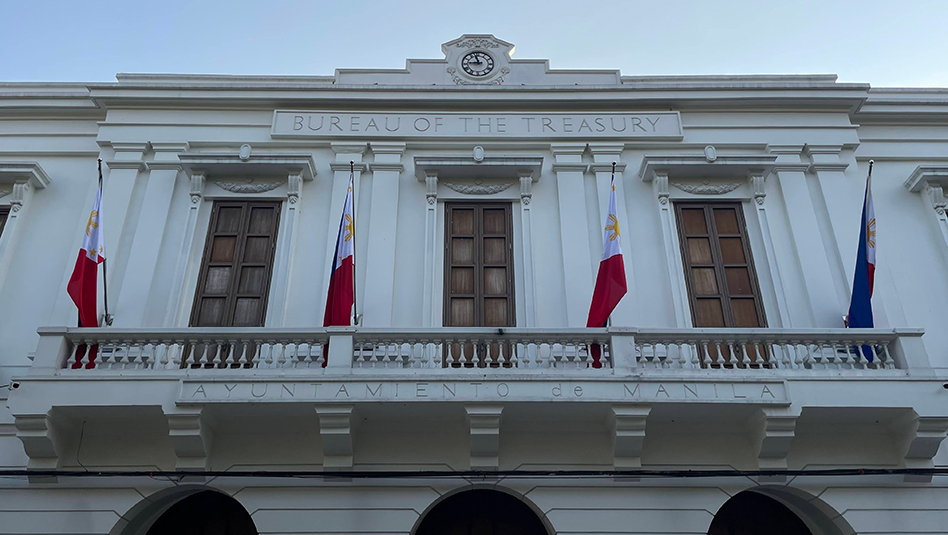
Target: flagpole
<point>105,273</point>
<point>355,306</point>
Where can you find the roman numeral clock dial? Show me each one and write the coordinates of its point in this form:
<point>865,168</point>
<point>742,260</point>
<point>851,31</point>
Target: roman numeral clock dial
<point>478,64</point>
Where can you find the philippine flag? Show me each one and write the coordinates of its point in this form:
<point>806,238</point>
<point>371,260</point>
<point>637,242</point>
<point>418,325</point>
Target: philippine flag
<point>84,284</point>
<point>860,308</point>
<point>341,290</point>
<point>610,283</point>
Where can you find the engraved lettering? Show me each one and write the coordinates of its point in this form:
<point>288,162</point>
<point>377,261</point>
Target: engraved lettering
<point>567,124</point>
<point>398,124</point>
<point>421,390</point>
<point>315,388</point>
<point>200,390</point>
<point>372,125</point>
<point>547,123</point>
<point>529,124</point>
<point>466,119</point>
<point>229,388</point>
<point>309,123</point>
<point>482,124</point>
<point>422,121</point>
<point>693,392</point>
<point>448,388</point>
<point>558,390</point>
<point>767,391</point>
<point>342,390</point>
<point>661,390</point>
<point>476,387</point>
<point>585,125</point>
<point>734,390</point>
<point>297,122</point>
<point>653,123</point>
<point>631,393</point>
<point>354,123</point>
<point>503,390</point>
<point>334,121</point>
<point>253,390</point>
<point>501,125</point>
<point>370,393</point>
<point>600,126</point>
<point>637,122</point>
<point>438,123</point>
<point>578,391</point>
<point>290,391</point>
<point>612,120</point>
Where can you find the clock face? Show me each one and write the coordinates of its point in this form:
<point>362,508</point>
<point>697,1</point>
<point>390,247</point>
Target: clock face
<point>477,63</point>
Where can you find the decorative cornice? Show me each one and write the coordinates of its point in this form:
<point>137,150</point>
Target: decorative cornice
<point>791,168</point>
<point>257,165</point>
<point>344,166</point>
<point>5,192</point>
<point>478,189</point>
<point>386,166</point>
<point>707,188</point>
<point>382,147</point>
<point>607,167</point>
<point>817,167</point>
<point>343,147</point>
<point>580,167</point>
<point>30,172</point>
<point>170,147</point>
<point>697,166</point>
<point>129,146</point>
<point>126,164</point>
<point>925,174</point>
<point>248,187</point>
<point>477,42</point>
<point>163,166</point>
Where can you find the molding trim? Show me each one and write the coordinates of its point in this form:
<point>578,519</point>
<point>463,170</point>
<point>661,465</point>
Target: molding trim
<point>697,166</point>
<point>125,164</point>
<point>607,167</point>
<point>386,166</point>
<point>576,167</point>
<point>163,166</point>
<point>707,188</point>
<point>5,192</point>
<point>248,187</point>
<point>30,172</point>
<point>927,174</point>
<point>478,189</point>
<point>344,166</point>
<point>258,165</point>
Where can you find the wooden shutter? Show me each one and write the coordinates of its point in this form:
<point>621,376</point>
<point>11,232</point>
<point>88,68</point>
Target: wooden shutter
<point>719,268</point>
<point>478,279</point>
<point>4,213</point>
<point>238,261</point>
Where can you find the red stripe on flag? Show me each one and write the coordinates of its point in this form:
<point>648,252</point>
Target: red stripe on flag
<point>82,288</point>
<point>610,287</point>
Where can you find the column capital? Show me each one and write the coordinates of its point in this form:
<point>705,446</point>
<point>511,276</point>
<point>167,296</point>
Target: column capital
<point>197,186</point>
<point>567,148</point>
<point>660,186</point>
<point>526,188</point>
<point>758,181</point>
<point>344,166</point>
<point>431,186</point>
<point>606,149</point>
<point>385,147</point>
<point>128,146</point>
<point>606,167</point>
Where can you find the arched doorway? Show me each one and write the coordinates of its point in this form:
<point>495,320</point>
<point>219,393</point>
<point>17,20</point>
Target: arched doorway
<point>187,510</point>
<point>481,512</point>
<point>752,513</point>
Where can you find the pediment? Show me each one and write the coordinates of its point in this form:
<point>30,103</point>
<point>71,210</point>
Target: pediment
<point>477,60</point>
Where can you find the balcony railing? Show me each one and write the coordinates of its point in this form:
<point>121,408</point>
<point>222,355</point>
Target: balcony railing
<point>620,351</point>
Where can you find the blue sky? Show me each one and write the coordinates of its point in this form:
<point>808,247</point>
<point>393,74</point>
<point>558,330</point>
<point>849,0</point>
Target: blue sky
<point>885,43</point>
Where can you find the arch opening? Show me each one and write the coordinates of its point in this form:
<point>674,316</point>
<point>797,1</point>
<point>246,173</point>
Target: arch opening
<point>187,511</point>
<point>481,512</point>
<point>752,513</point>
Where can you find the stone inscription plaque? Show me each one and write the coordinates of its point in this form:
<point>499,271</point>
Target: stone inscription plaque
<point>324,389</point>
<point>651,125</point>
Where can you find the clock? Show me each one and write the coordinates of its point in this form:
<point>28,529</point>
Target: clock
<point>477,63</point>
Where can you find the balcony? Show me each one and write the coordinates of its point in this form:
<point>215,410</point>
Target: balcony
<point>183,385</point>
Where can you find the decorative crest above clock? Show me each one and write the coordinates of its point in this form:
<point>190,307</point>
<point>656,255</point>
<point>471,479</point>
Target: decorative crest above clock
<point>477,59</point>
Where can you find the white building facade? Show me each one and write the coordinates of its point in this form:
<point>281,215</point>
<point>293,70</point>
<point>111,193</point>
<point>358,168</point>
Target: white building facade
<point>732,400</point>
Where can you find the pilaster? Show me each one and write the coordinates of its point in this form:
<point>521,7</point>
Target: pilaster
<point>574,230</point>
<point>431,232</point>
<point>119,222</point>
<point>673,260</point>
<point>146,246</point>
<point>379,291</point>
<point>526,222</point>
<point>336,429</point>
<point>840,203</point>
<point>175,314</point>
<point>20,195</point>
<point>283,259</point>
<point>346,152</point>
<point>931,182</point>
<point>826,303</point>
<point>604,155</point>
<point>628,430</point>
<point>485,435</point>
<point>758,187</point>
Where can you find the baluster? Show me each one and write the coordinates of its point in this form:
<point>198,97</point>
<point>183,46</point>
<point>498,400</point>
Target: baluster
<point>500,354</point>
<point>191,360</point>
<point>175,354</point>
<point>475,359</point>
<point>745,360</point>
<point>875,355</point>
<point>802,360</point>
<point>719,359</point>
<point>231,358</point>
<point>320,353</point>
<point>308,358</point>
<point>488,357</point>
<point>448,343</point>
<point>889,364</point>
<point>437,346</point>
<point>707,354</point>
